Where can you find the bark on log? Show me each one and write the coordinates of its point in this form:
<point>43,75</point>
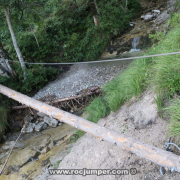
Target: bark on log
<point>154,154</point>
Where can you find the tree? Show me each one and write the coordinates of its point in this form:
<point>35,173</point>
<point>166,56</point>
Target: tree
<point>20,57</point>
<point>6,7</point>
<point>5,68</point>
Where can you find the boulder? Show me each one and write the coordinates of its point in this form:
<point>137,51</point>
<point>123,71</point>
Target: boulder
<point>51,121</point>
<point>162,18</point>
<point>28,127</point>
<point>148,17</point>
<point>10,144</point>
<point>40,126</point>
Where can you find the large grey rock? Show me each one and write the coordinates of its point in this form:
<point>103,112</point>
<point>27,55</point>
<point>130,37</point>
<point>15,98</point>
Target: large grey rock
<point>148,17</point>
<point>42,146</point>
<point>40,126</point>
<point>19,159</point>
<point>10,144</point>
<point>51,121</point>
<point>28,127</point>
<point>162,18</point>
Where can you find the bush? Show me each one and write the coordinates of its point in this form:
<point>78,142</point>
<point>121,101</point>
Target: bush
<point>68,33</point>
<point>3,120</point>
<point>37,77</point>
<point>96,110</point>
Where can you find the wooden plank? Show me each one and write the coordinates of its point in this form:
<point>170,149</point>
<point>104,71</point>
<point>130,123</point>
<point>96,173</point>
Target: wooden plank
<point>154,154</point>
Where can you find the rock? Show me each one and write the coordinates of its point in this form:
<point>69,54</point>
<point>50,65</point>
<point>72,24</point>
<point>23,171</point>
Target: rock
<point>40,114</point>
<point>156,12</point>
<point>28,127</point>
<point>148,17</point>
<point>28,118</point>
<point>51,121</point>
<point>132,24</point>
<point>43,146</point>
<point>40,126</point>
<point>18,159</point>
<point>162,18</point>
<point>9,145</point>
<point>59,124</point>
<point>170,10</point>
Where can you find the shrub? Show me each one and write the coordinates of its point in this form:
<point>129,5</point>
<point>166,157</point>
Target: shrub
<point>3,120</point>
<point>37,77</point>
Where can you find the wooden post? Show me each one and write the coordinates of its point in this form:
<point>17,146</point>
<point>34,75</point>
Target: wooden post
<point>154,154</point>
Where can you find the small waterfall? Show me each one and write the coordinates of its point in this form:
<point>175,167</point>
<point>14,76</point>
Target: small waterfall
<point>135,44</point>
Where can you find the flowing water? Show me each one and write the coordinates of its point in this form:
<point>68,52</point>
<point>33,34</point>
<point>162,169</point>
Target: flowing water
<point>135,44</point>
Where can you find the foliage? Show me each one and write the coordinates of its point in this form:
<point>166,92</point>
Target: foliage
<point>165,70</point>
<point>3,120</point>
<point>76,136</point>
<point>174,21</point>
<point>160,72</point>
<point>65,31</point>
<point>37,77</point>
<point>174,113</point>
<point>96,110</point>
<point>128,84</point>
<point>156,37</point>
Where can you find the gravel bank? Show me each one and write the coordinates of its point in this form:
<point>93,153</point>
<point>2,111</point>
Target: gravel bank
<point>82,76</point>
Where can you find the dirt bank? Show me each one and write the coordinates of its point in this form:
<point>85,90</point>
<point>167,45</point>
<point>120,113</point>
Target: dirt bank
<point>137,118</point>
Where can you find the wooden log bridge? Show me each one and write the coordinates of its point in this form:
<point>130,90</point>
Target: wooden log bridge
<point>154,154</point>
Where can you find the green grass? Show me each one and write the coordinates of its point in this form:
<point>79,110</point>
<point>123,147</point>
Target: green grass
<point>174,111</point>
<point>97,109</point>
<point>130,83</point>
<point>163,73</point>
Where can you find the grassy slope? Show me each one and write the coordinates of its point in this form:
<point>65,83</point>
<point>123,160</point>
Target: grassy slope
<point>162,72</point>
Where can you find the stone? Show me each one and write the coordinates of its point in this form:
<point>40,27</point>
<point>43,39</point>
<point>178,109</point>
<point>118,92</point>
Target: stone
<point>18,159</point>
<point>43,146</point>
<point>156,11</point>
<point>51,121</point>
<point>40,114</point>
<point>162,18</point>
<point>28,118</point>
<point>59,124</point>
<point>28,127</point>
<point>10,144</point>
<point>148,17</point>
<point>40,126</point>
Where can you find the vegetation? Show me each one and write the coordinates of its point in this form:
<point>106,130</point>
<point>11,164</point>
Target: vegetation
<point>3,120</point>
<point>159,72</point>
<point>57,31</point>
<point>64,30</point>
<point>37,77</point>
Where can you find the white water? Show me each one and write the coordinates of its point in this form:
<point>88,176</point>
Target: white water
<point>135,44</point>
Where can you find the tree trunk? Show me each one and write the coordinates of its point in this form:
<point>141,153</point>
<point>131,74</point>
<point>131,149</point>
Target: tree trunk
<point>20,57</point>
<point>5,67</point>
<point>162,157</point>
<point>96,20</point>
<point>96,6</point>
